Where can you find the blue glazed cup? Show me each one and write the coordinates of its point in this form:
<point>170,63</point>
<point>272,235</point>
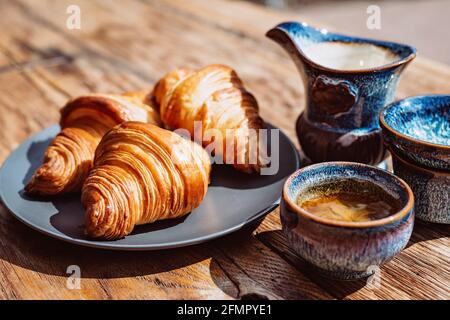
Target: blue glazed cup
<point>431,189</point>
<point>416,130</point>
<point>343,249</point>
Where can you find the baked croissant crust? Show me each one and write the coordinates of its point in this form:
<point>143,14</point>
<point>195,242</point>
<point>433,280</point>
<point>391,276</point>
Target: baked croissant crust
<point>215,96</point>
<point>142,173</point>
<point>84,121</point>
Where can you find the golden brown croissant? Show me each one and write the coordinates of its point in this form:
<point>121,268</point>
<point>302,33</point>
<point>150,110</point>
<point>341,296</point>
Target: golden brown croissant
<point>215,96</point>
<point>142,173</point>
<point>84,121</point>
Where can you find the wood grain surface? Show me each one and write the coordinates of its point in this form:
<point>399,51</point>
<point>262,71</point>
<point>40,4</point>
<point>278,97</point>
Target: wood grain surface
<point>126,45</point>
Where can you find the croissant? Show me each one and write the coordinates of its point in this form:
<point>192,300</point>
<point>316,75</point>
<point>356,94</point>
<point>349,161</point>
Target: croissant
<point>215,96</point>
<point>142,173</point>
<point>84,121</point>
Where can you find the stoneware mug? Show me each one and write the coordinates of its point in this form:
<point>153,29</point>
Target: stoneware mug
<point>346,249</point>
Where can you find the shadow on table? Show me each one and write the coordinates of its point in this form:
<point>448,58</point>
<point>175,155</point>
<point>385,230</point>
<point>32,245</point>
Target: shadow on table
<point>31,250</point>
<point>425,231</point>
<point>338,289</point>
<point>241,263</point>
<point>244,275</point>
<point>230,260</point>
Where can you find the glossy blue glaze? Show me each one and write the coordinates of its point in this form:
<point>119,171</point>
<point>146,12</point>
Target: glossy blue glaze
<point>329,172</point>
<point>418,129</point>
<point>346,250</point>
<point>342,106</point>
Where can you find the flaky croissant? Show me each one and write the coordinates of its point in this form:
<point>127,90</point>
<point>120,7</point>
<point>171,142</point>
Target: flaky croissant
<point>215,96</point>
<point>84,121</point>
<point>142,173</point>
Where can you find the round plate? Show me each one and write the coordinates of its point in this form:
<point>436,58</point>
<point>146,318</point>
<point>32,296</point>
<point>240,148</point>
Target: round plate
<point>233,200</point>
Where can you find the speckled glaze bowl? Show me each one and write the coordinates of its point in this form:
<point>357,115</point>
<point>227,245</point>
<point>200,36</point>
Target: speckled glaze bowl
<point>341,249</point>
<point>347,81</point>
<point>418,130</point>
<point>431,189</point>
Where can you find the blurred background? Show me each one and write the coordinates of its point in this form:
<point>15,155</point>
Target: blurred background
<point>424,24</point>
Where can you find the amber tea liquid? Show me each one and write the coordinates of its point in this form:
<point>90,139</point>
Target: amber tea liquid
<point>351,206</point>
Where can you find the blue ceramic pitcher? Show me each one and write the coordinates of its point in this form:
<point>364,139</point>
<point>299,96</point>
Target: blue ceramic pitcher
<point>347,82</point>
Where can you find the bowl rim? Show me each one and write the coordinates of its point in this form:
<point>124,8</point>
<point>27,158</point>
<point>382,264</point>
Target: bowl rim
<point>386,126</point>
<point>409,206</point>
<point>416,167</point>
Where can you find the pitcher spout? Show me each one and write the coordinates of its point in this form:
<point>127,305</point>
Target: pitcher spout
<point>287,34</point>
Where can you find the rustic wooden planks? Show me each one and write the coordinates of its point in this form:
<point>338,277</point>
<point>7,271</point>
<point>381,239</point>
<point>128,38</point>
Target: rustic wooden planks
<point>130,44</point>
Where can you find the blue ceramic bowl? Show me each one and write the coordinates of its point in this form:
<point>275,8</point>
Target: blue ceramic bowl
<point>418,130</point>
<point>342,249</point>
<point>431,189</point>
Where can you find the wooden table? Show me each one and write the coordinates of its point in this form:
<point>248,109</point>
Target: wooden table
<point>124,45</point>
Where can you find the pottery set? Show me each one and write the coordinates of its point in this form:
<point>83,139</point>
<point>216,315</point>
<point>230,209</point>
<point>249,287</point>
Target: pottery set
<point>348,83</point>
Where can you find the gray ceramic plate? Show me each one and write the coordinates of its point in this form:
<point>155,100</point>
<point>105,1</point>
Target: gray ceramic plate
<point>233,200</point>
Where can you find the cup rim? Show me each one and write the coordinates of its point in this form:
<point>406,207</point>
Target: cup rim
<point>348,224</point>
<point>420,142</point>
